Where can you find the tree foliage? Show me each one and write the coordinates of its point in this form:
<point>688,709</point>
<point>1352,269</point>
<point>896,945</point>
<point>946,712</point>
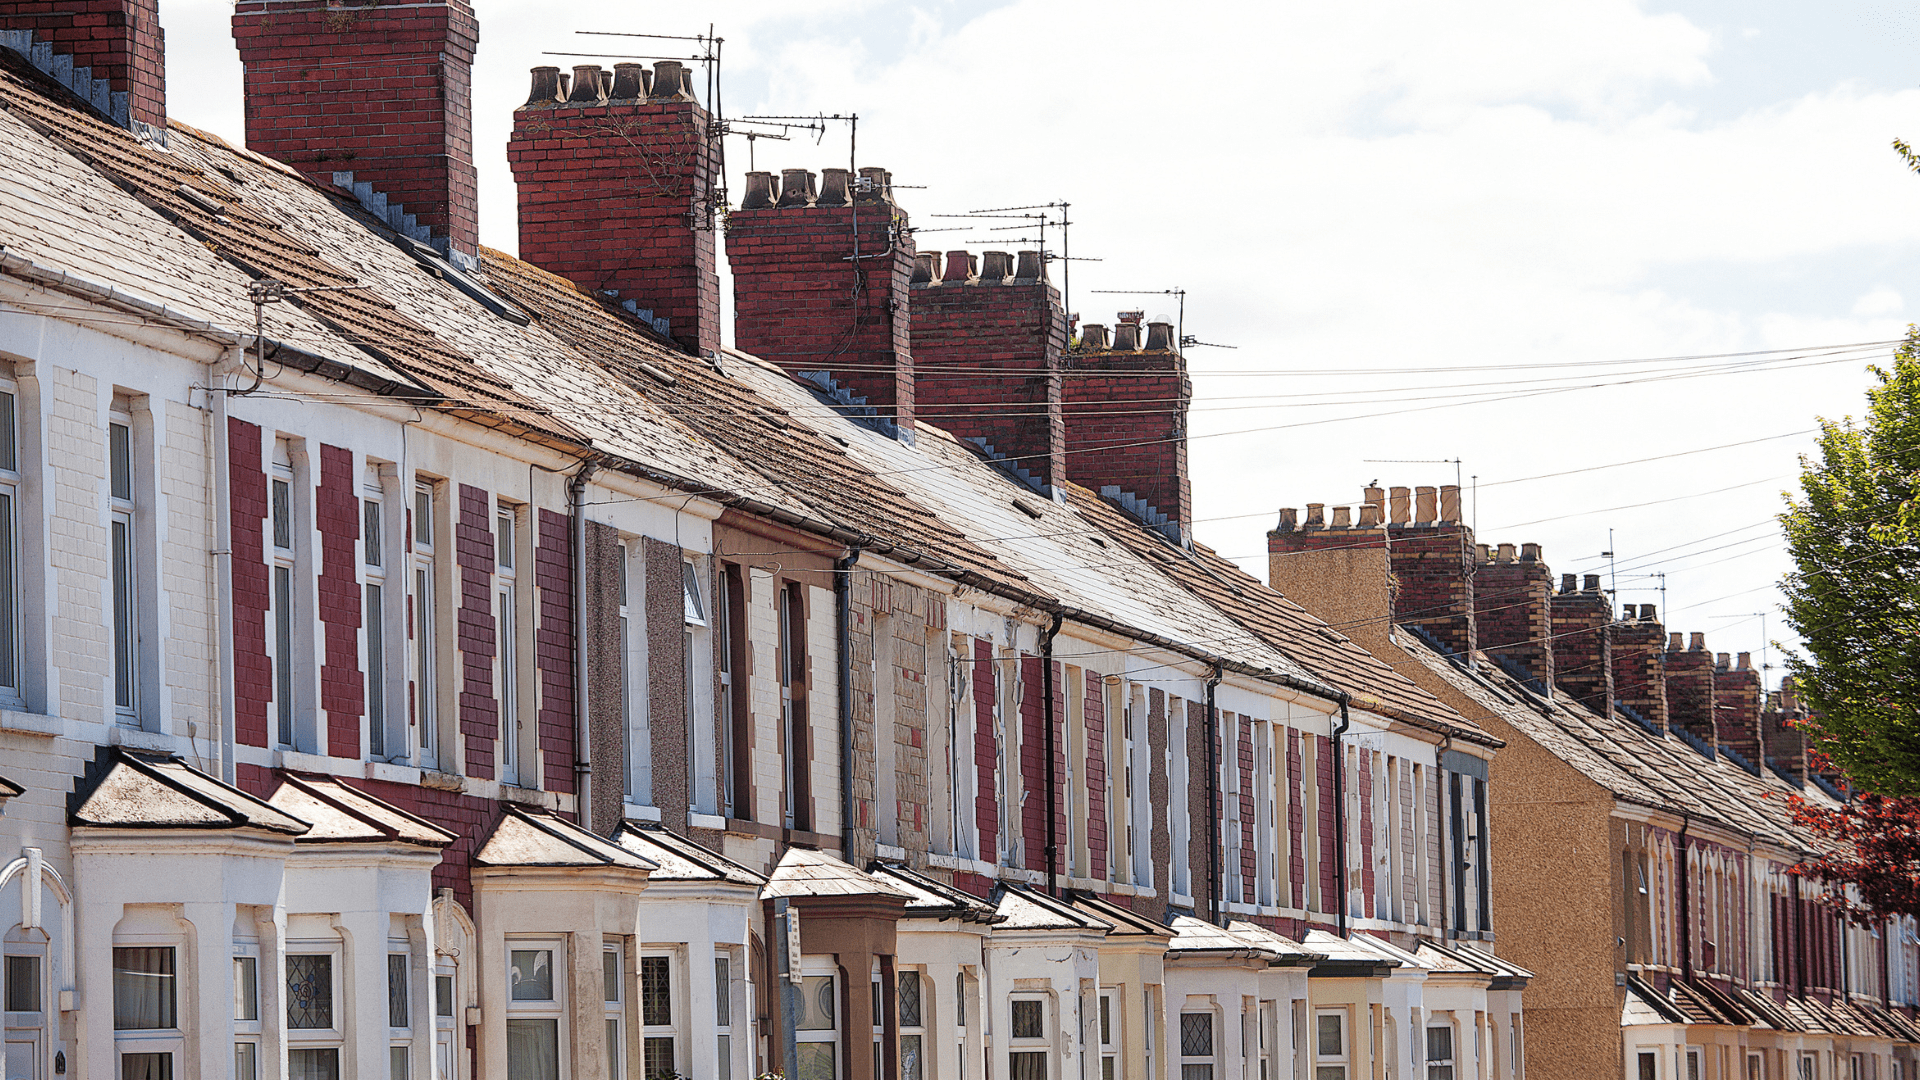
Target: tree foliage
<point>1854,536</point>
<point>1872,844</point>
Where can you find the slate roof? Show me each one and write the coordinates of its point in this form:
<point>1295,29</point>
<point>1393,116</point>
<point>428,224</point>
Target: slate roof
<point>805,872</point>
<point>1024,908</point>
<point>1123,923</point>
<point>1289,953</point>
<point>341,814</point>
<point>933,899</point>
<point>1627,759</point>
<point>530,838</point>
<point>128,789</point>
<point>677,858</point>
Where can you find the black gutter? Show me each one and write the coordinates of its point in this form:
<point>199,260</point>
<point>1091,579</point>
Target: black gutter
<point>1053,779</point>
<point>843,626</point>
<point>1213,798</point>
<point>1340,818</point>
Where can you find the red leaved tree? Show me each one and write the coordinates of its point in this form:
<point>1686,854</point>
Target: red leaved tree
<point>1872,845</point>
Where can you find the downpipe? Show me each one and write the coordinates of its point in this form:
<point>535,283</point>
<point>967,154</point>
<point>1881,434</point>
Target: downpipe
<point>582,750</point>
<point>1340,816</point>
<point>1214,825</point>
<point>1053,778</point>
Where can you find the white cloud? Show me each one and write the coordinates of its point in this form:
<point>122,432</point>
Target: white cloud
<point>1881,301</point>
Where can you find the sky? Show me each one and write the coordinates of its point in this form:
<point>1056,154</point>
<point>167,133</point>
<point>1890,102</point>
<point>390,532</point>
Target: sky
<point>1533,238</point>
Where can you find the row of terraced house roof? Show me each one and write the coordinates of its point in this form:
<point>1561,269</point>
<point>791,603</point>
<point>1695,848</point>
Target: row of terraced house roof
<point>418,661</point>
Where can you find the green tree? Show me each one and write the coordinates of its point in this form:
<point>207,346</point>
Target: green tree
<point>1854,535</point>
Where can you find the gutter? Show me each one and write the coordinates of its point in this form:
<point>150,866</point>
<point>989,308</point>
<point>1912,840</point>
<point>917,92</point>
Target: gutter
<point>1340,817</point>
<point>1214,840</point>
<point>582,757</point>
<point>223,562</point>
<point>1053,777</point>
<point>843,625</point>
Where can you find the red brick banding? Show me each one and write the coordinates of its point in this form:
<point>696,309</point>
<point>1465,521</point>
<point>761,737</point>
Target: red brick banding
<point>553,647</point>
<point>252,667</point>
<point>1095,703</point>
<point>336,509</point>
<point>473,553</point>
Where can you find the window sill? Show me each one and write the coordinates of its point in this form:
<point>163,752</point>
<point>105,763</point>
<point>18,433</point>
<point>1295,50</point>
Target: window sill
<point>140,738</point>
<point>888,851</point>
<point>530,797</point>
<point>26,723</point>
<point>961,863</point>
<point>393,772</point>
<point>697,820</point>
<point>634,812</point>
<point>301,762</point>
<point>441,781</point>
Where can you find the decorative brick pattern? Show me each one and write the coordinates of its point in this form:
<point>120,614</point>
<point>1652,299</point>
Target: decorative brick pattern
<point>468,817</point>
<point>1329,868</point>
<point>1249,862</point>
<point>1204,825</point>
<point>553,647</point>
<point>1296,822</point>
<point>382,90</point>
<point>987,350</point>
<point>614,195</point>
<point>986,809</point>
<point>336,509</point>
<point>801,301</point>
<point>1095,704</point>
<point>473,554</point>
<point>1124,422</point>
<point>119,40</point>
<point>1363,760</point>
<point>252,667</point>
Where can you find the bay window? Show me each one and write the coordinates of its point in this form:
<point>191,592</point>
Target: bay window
<point>1027,1038</point>
<point>146,1022</point>
<point>536,1000</point>
<point>1440,1052</point>
<point>1330,1053</point>
<point>817,1028</point>
<point>913,1024</point>
<point>1196,1046</point>
<point>315,1028</point>
<point>658,1047</point>
<point>613,995</point>
<point>723,1015</point>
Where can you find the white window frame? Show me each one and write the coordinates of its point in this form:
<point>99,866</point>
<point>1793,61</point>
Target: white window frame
<point>423,652</point>
<point>790,627</point>
<point>964,773</point>
<point>811,970</point>
<point>376,650</point>
<point>283,599</point>
<point>613,995</point>
<point>1209,1060</point>
<point>1440,1065</point>
<point>723,1016</point>
<point>1109,1021</point>
<point>698,615</point>
<point>333,1038</point>
<point>447,1022</point>
<point>1028,1044</point>
<point>507,650</point>
<point>1073,687</point>
<point>1008,792</point>
<point>553,1009</point>
<point>12,623</point>
<point>637,765</point>
<point>400,1036</point>
<point>920,1030</point>
<point>248,1032</point>
<point>961,995</point>
<point>671,1029</point>
<point>27,1027</point>
<point>723,709</point>
<point>1343,1060</point>
<point>124,559</point>
<point>158,1040</point>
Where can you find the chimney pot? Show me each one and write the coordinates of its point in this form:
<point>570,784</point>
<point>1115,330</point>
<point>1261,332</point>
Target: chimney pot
<point>1126,337</point>
<point>1626,613</point>
<point>1369,515</point>
<point>1567,582</point>
<point>1093,338</point>
<point>762,192</point>
<point>630,82</point>
<point>670,81</point>
<point>1031,268</point>
<point>879,186</point>
<point>925,268</point>
<point>1529,552</point>
<point>1723,662</point>
<point>1483,553</point>
<point>995,267</point>
<point>1316,515</point>
<point>796,188</point>
<point>833,188</point>
<point>1160,337</point>
<point>1592,584</point>
<point>1450,503</point>
<point>1289,519</point>
<point>1647,613</point>
<point>1676,641</point>
<point>1375,495</point>
<point>1746,661</point>
<point>586,84</point>
<point>959,268</point>
<point>1506,553</point>
<point>547,87</point>
<point>1697,642</point>
<point>1425,506</point>
<point>1342,517</point>
<point>1399,506</point>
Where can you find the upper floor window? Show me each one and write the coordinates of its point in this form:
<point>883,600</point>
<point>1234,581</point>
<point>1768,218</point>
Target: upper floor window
<point>423,658</point>
<point>792,668</point>
<point>703,723</point>
<point>734,719</point>
<point>124,569</point>
<point>10,651</point>
<point>280,511</point>
<point>506,653</point>
<point>385,740</point>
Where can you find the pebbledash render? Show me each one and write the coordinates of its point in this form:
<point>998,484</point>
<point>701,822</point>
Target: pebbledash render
<point>479,672</point>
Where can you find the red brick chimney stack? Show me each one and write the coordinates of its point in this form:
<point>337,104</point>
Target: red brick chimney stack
<point>378,96</point>
<point>1124,408</point>
<point>1583,643</point>
<point>988,334</point>
<point>617,181</point>
<point>1738,698</point>
<point>800,299</point>
<point>1639,672</point>
<point>110,52</point>
<point>1513,608</point>
<point>1690,688</point>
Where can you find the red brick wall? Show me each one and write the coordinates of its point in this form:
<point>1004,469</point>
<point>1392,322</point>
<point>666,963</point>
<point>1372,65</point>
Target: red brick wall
<point>614,196</point>
<point>252,668</point>
<point>336,508</point>
<point>986,810</point>
<point>1690,697</point>
<point>1736,699</point>
<point>1513,611</point>
<point>1363,787</point>
<point>473,553</point>
<point>1124,424</point>
<point>987,364</point>
<point>120,40</point>
<point>553,647</point>
<point>1296,823</point>
<point>796,301</point>
<point>382,89</point>
<point>1095,703</point>
<point>1639,674</point>
<point>1033,764</point>
<point>1583,644</point>
<point>1249,863</point>
<point>1329,869</point>
<point>1433,570</point>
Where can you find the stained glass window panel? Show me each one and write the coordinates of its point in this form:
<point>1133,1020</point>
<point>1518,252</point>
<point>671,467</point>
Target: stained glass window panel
<point>910,999</point>
<point>309,991</point>
<point>656,991</point>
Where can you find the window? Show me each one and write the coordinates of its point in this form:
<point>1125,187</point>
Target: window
<point>637,752</point>
<point>10,650</point>
<point>126,642</point>
<point>1440,1052</point>
<point>506,653</point>
<point>246,1015</point>
<point>280,511</point>
<point>1649,1066</point>
<point>613,996</point>
<point>913,1025</point>
<point>1809,1067</point>
<point>399,1015</point>
<point>23,999</point>
<point>736,787</point>
<point>1006,779</point>
<point>383,743</point>
<point>960,1018</point>
<point>1126,858</point>
<point>424,657</point>
<point>1330,1045</point>
<point>443,1020</point>
<point>1106,1034</point>
<point>534,1006</point>
<point>817,1028</point>
<point>657,1031</point>
<point>1196,1046</point>
<point>145,1011</point>
<point>792,664</point>
<point>703,724</point>
<point>723,1015</point>
<point>963,773</point>
<point>314,1030</point>
<point>1027,1038</point>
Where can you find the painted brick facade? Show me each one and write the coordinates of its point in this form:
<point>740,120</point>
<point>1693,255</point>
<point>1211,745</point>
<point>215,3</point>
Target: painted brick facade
<point>473,553</point>
<point>607,750</point>
<point>667,682</point>
<point>987,341</point>
<point>119,41</point>
<point>553,647</point>
<point>801,300</point>
<point>383,90</point>
<point>1249,862</point>
<point>1124,425</point>
<point>616,192</point>
<point>252,667</point>
<point>986,809</point>
<point>1363,760</point>
<point>336,510</point>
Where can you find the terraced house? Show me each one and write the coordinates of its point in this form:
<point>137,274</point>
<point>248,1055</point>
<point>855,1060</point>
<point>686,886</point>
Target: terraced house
<point>1669,938</point>
<point>423,662</point>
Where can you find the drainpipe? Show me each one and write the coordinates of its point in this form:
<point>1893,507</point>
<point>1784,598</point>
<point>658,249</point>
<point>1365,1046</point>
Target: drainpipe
<point>1213,796</point>
<point>1686,905</point>
<point>1340,816</point>
<point>223,557</point>
<point>582,755</point>
<point>1053,780</point>
<point>843,627</point>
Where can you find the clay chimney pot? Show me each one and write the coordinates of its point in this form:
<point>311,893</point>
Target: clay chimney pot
<point>1289,519</point>
<point>1093,337</point>
<point>926,268</point>
<point>796,187</point>
<point>1483,552</point>
<point>1450,502</point>
<point>1316,514</point>
<point>1399,506</point>
<point>630,82</point>
<point>1567,582</point>
<point>586,84</point>
<point>1675,641</point>
<point>1342,517</point>
<point>877,186</point>
<point>1369,515</point>
<point>1697,643</point>
<point>1722,661</point>
<point>762,191</point>
<point>1529,552</point>
<point>1126,337</point>
<point>995,267</point>
<point>959,268</point>
<point>1646,612</point>
<point>1592,583</point>
<point>1031,267</point>
<point>547,88</point>
<point>833,188</point>
<point>1505,553</point>
<point>1746,661</point>
<point>1160,337</point>
<point>1426,504</point>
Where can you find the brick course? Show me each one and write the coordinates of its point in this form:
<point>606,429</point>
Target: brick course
<point>1513,610</point>
<point>252,668</point>
<point>336,510</point>
<point>553,647</point>
<point>473,553</point>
